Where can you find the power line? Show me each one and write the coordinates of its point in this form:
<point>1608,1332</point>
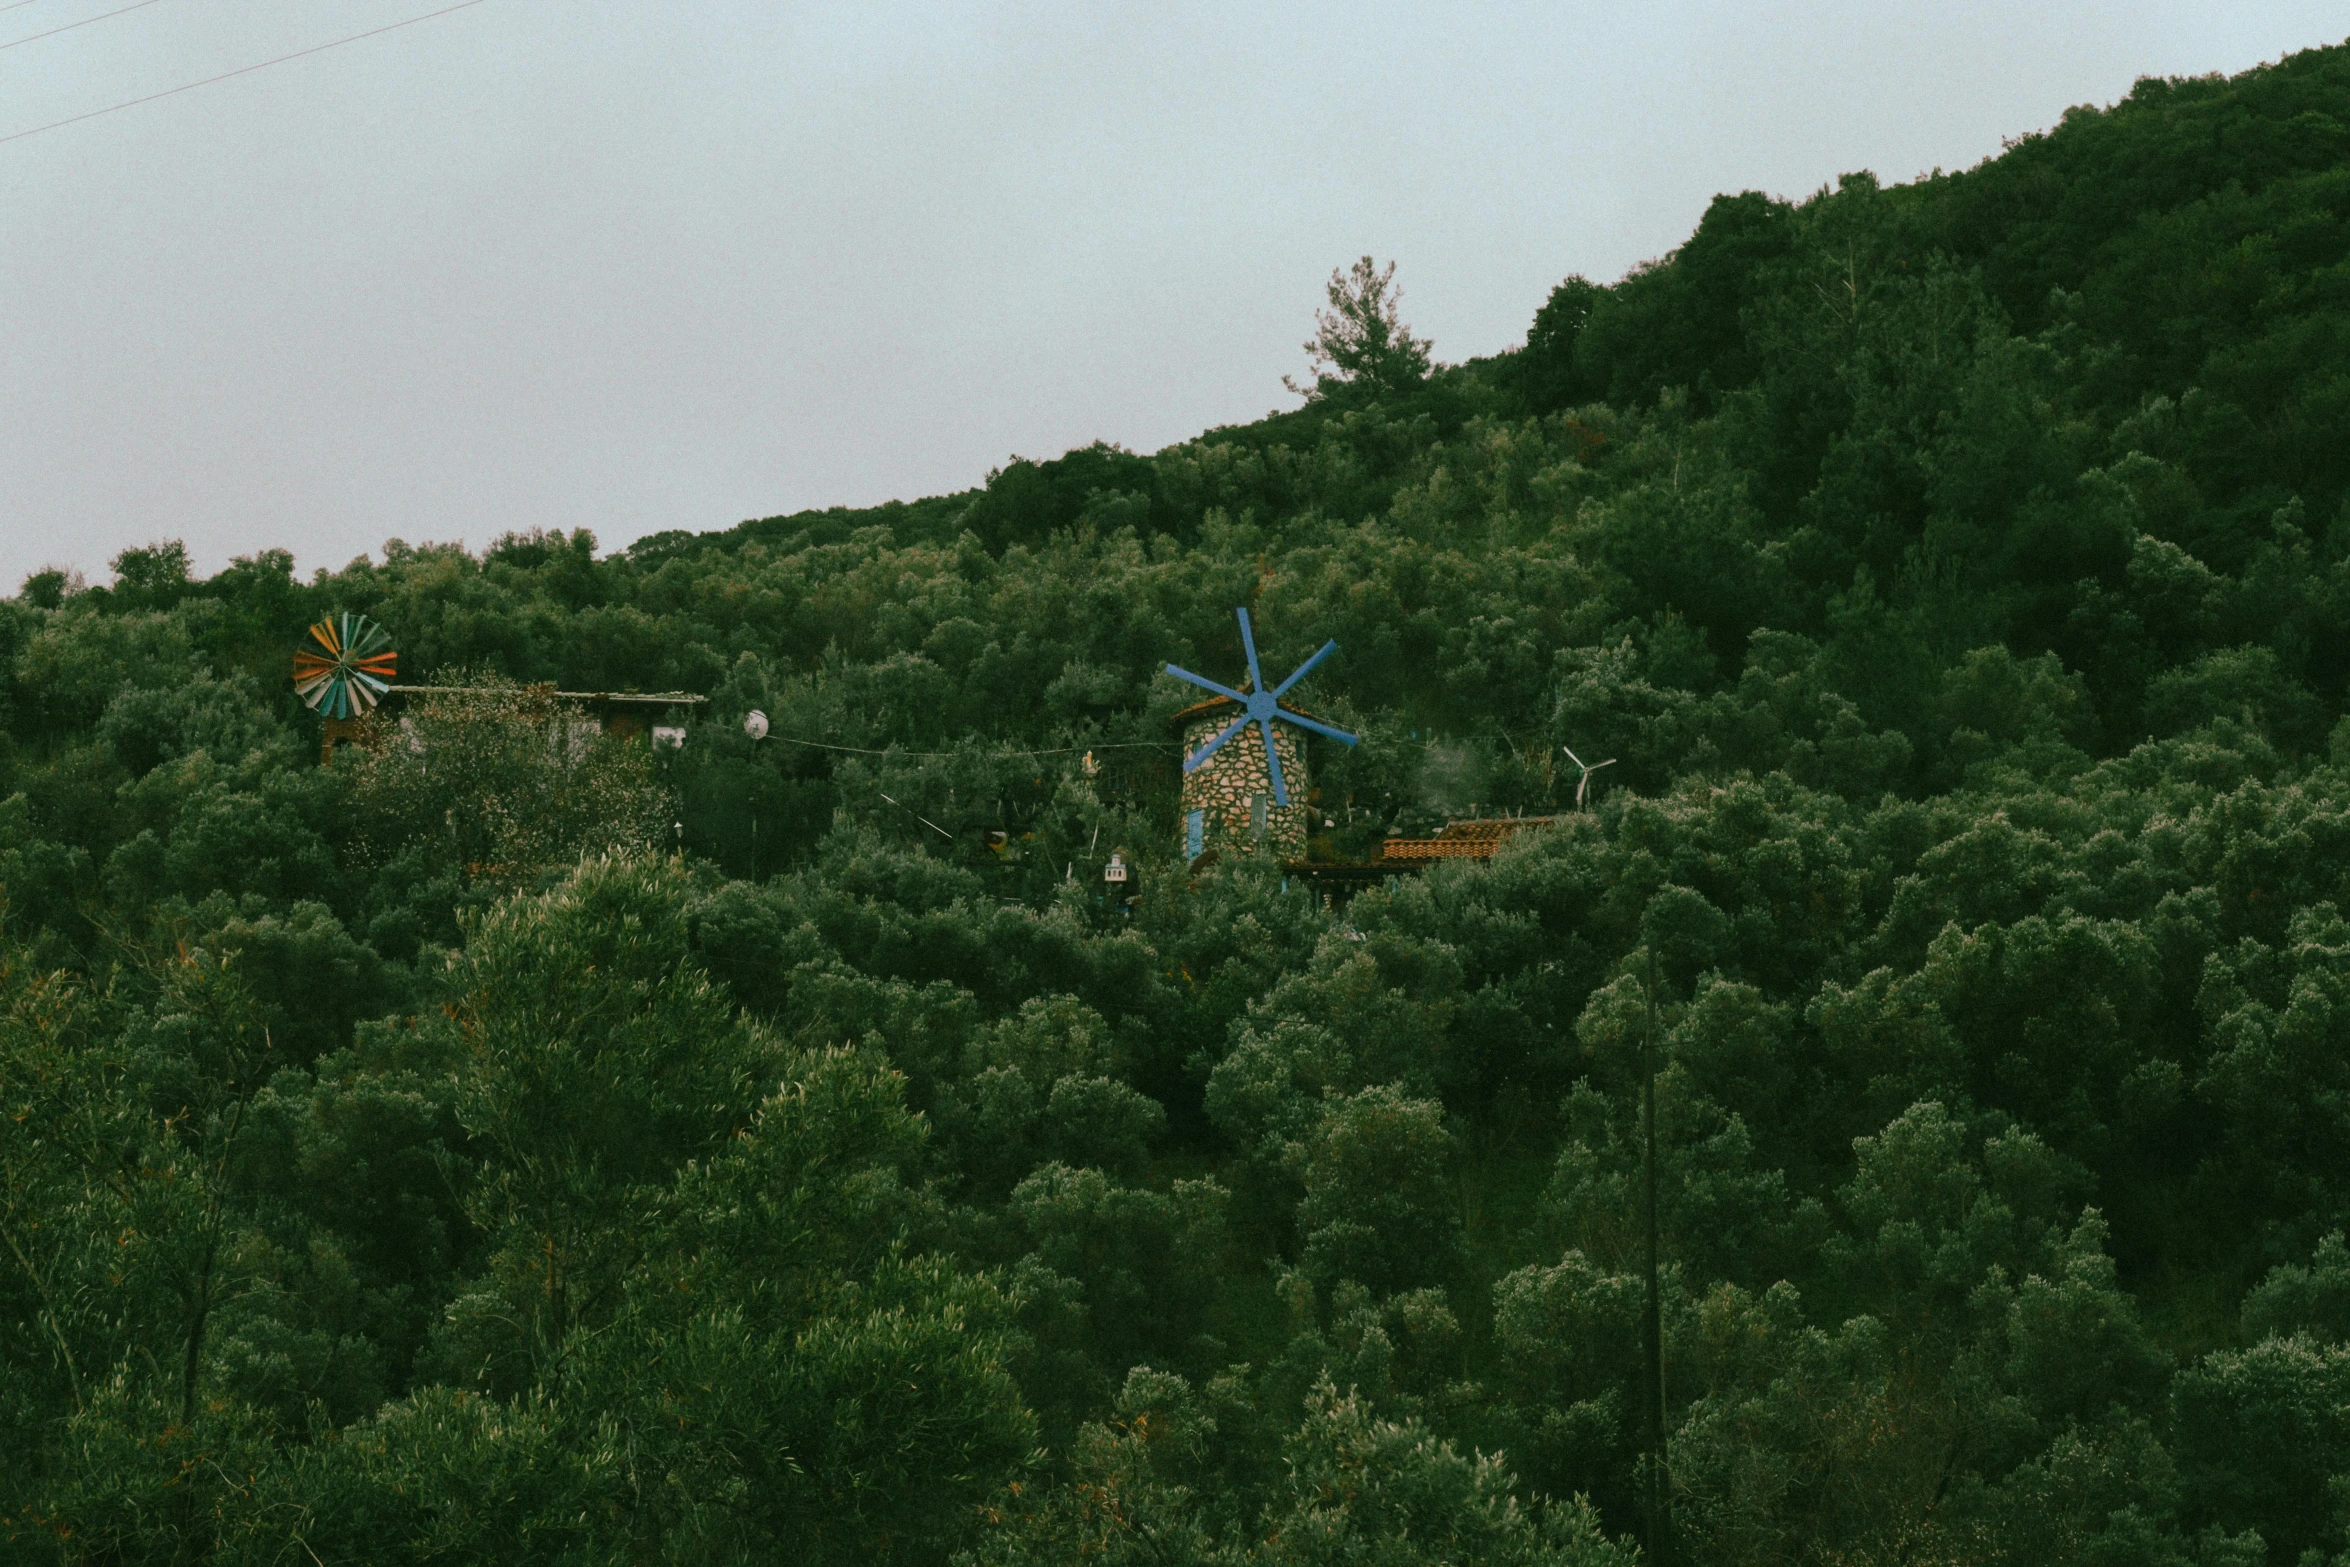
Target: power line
<point>15,5</point>
<point>34,38</point>
<point>245,70</point>
<point>1062,750</point>
<point>1113,745</point>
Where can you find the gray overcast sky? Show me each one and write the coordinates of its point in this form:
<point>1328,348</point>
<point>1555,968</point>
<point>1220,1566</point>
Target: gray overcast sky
<point>637,266</point>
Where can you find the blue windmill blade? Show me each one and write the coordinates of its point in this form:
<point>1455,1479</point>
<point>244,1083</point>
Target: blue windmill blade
<point>1273,761</point>
<point>1318,727</point>
<point>1248,645</point>
<point>1205,683</point>
<point>1191,763</point>
<point>1305,668</point>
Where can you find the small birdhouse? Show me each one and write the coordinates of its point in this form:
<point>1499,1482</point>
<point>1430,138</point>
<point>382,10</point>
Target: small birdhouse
<point>1115,872</point>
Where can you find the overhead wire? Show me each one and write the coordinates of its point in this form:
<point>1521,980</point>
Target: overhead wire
<point>244,70</point>
<point>1059,750</point>
<point>917,815</point>
<point>1066,750</point>
<point>1114,745</point>
<point>862,750</point>
<point>34,38</point>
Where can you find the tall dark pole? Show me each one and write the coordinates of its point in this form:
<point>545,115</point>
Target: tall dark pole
<point>1652,1319</point>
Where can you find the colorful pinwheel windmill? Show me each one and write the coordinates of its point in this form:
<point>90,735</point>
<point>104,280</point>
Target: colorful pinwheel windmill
<point>346,663</point>
<point>1260,706</point>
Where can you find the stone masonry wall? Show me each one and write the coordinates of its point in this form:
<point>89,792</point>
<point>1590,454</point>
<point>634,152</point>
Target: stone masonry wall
<point>1225,784</point>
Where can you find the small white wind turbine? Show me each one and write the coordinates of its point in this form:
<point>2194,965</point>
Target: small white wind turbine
<point>1583,784</point>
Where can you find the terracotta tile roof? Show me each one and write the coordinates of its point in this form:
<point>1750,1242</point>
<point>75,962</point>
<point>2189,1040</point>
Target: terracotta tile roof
<point>1470,840</point>
<point>1216,704</point>
<point>1200,710</point>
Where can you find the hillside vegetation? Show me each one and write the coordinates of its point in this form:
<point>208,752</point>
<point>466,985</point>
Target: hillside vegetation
<point>482,1150</point>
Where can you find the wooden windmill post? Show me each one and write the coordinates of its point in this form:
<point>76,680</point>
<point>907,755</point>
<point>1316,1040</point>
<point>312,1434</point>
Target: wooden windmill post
<point>1244,778</point>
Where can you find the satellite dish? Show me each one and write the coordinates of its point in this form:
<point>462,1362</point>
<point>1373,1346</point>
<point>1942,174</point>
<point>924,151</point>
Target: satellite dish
<point>755,724</point>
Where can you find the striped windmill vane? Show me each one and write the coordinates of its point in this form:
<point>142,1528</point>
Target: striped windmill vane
<point>1260,705</point>
<point>343,666</point>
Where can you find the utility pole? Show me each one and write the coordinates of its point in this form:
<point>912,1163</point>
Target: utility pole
<point>1652,1318</point>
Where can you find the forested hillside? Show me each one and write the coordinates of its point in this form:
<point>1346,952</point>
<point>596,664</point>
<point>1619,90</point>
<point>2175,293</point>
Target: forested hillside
<point>785,1150</point>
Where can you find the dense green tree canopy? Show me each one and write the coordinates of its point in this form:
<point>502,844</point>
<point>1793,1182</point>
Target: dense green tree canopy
<point>507,1144</point>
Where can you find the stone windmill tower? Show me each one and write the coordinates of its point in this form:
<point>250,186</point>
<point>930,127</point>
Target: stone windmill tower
<point>1244,766</point>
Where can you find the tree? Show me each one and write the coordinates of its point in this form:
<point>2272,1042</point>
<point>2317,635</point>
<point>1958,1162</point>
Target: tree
<point>599,1060</point>
<point>1546,366</point>
<point>152,578</point>
<point>1367,1492</point>
<point>1361,340</point>
<point>1961,574</point>
<point>540,787</point>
